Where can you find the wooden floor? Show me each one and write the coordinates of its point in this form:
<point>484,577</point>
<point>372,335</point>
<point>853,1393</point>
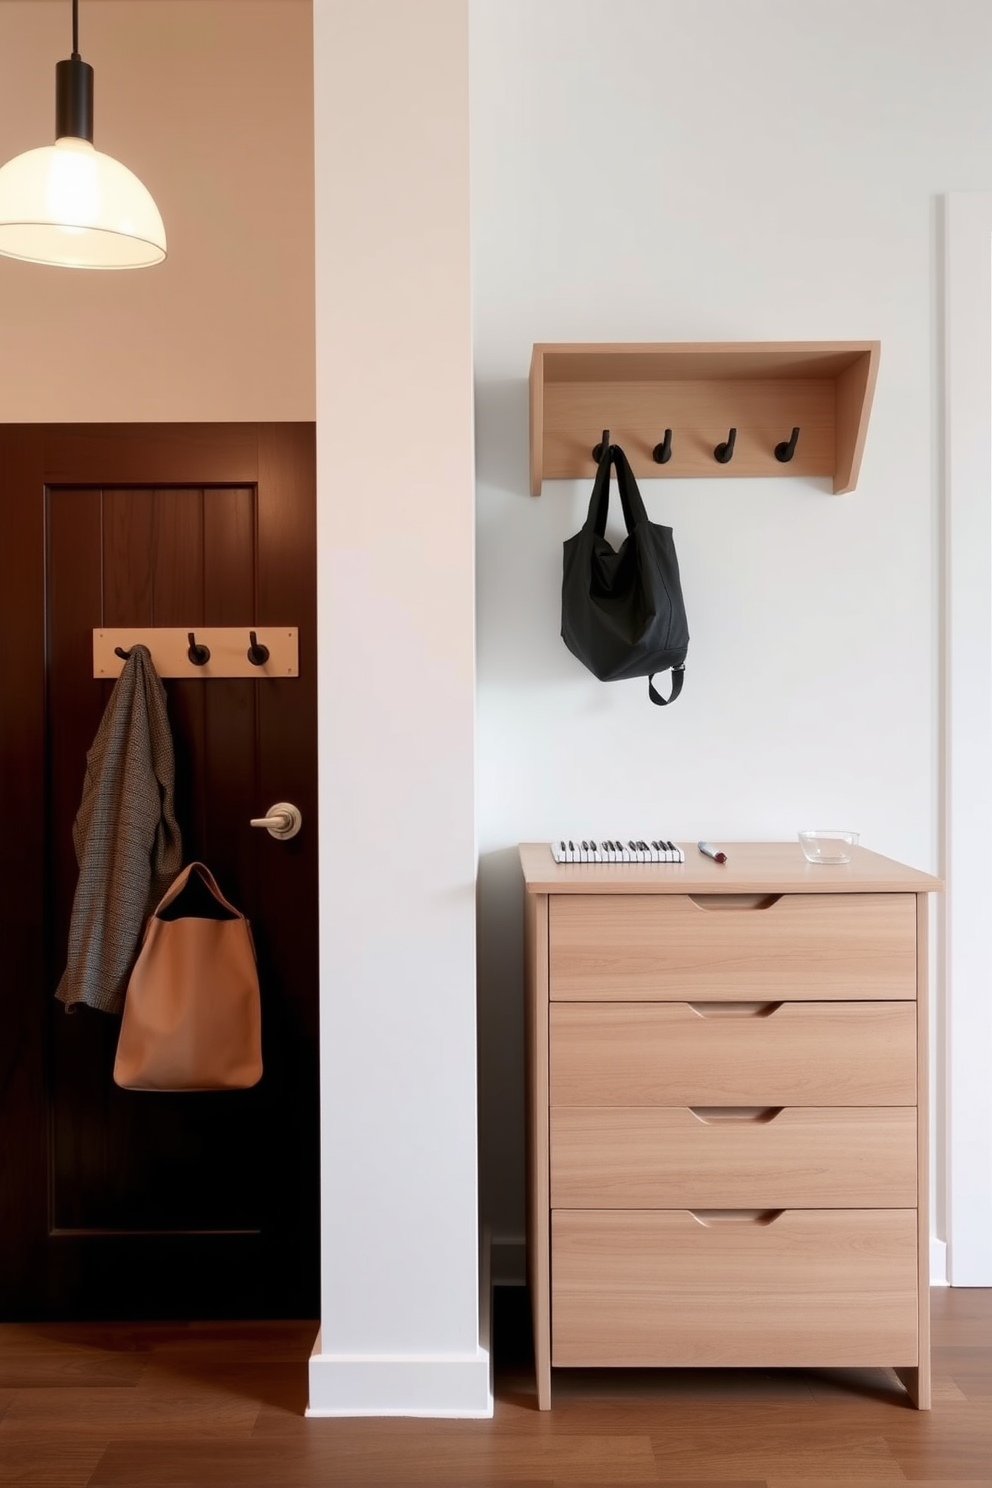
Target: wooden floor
<point>168,1405</point>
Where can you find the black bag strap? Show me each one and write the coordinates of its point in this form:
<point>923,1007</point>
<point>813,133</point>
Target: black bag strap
<point>630,496</point>
<point>678,677</point>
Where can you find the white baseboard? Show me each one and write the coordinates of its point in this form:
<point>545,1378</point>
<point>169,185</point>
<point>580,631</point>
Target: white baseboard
<point>400,1385</point>
<point>440,1385</point>
<point>938,1262</point>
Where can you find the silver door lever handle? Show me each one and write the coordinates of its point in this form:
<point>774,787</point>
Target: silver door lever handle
<point>283,820</point>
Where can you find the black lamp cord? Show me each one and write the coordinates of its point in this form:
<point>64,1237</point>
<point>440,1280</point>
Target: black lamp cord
<point>74,91</point>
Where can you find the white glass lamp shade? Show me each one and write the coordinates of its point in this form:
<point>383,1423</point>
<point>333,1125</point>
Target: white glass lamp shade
<point>70,205</point>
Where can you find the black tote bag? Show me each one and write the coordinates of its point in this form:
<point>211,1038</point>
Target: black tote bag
<point>622,612</point>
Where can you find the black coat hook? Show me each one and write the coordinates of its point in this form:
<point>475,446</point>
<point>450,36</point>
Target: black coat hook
<point>198,655</point>
<point>124,655</point>
<point>787,448</point>
<point>725,452</point>
<point>257,655</point>
<point>663,452</point>
<point>599,450</point>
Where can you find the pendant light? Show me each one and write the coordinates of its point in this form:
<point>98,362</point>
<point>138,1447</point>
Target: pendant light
<point>70,205</point>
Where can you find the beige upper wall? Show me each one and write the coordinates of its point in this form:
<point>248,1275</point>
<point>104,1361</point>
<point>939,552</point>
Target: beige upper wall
<point>210,102</point>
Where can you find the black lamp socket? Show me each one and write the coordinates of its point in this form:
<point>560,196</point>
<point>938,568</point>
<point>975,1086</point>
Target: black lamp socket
<point>74,99</point>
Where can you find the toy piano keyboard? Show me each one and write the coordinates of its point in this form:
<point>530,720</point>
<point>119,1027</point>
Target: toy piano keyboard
<point>587,851</point>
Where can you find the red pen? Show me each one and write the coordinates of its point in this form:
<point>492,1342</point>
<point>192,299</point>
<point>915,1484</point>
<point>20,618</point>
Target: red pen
<point>711,852</point>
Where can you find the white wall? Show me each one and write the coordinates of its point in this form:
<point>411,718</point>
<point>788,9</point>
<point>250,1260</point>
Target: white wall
<point>400,1289</point>
<point>715,170</point>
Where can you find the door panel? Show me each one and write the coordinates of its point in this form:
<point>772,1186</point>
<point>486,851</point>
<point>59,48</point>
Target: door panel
<point>124,1203</point>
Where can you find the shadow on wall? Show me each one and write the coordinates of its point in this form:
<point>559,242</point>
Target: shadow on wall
<point>501,1058</point>
<point>502,434</point>
<point>513,581</point>
<point>518,550</point>
<point>519,654</point>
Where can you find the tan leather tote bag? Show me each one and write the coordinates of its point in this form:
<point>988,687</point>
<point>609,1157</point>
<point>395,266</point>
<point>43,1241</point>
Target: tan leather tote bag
<point>192,1013</point>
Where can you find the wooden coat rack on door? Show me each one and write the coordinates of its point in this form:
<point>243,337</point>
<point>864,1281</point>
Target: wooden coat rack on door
<point>213,651</point>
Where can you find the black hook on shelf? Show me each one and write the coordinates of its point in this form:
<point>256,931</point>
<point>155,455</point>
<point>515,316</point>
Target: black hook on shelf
<point>725,452</point>
<point>198,655</point>
<point>257,655</point>
<point>662,452</point>
<point>124,655</point>
<point>599,450</point>
<point>787,448</point>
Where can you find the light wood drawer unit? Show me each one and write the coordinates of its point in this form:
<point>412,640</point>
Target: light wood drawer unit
<point>726,1112</point>
<point>799,1288</point>
<point>790,1053</point>
<point>663,1157</point>
<point>659,946</point>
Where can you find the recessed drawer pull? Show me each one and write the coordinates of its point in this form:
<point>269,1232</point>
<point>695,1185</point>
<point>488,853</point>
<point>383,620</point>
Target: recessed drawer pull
<point>710,1217</point>
<point>734,901</point>
<point>734,1009</point>
<point>751,1115</point>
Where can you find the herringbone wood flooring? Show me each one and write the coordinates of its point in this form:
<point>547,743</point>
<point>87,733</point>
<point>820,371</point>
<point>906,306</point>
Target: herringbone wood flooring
<point>171,1405</point>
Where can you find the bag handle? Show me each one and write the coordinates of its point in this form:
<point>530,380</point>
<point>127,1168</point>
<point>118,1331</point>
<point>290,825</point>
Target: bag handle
<point>630,496</point>
<point>178,884</point>
<point>678,677</point>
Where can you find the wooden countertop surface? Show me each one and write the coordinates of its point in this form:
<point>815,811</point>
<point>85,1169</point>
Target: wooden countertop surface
<point>751,867</point>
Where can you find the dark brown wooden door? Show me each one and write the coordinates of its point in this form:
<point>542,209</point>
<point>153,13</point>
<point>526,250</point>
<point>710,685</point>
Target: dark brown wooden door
<point>116,1204</point>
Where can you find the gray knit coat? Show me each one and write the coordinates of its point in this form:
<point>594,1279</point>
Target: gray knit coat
<point>126,838</point>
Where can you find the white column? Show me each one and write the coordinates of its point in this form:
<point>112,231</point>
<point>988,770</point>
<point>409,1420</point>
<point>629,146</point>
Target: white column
<point>400,1263</point>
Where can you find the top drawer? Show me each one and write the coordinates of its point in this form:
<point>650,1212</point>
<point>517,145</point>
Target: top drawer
<point>730,947</point>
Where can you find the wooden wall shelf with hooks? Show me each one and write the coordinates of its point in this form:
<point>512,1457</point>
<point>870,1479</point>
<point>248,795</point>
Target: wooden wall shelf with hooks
<point>700,390</point>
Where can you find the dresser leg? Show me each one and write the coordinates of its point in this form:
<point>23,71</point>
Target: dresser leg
<point>543,1369</point>
<point>916,1380</point>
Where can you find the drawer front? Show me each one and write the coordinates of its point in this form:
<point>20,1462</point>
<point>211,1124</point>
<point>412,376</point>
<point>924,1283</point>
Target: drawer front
<point>732,947</point>
<point>806,1289</point>
<point>730,1158</point>
<point>733,1054</point>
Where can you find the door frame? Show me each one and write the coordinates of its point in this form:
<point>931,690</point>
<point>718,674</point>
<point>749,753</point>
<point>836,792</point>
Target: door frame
<point>965,1022</point>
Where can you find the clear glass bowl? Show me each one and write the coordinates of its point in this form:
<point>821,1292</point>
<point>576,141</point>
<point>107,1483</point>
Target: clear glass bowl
<point>827,844</point>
